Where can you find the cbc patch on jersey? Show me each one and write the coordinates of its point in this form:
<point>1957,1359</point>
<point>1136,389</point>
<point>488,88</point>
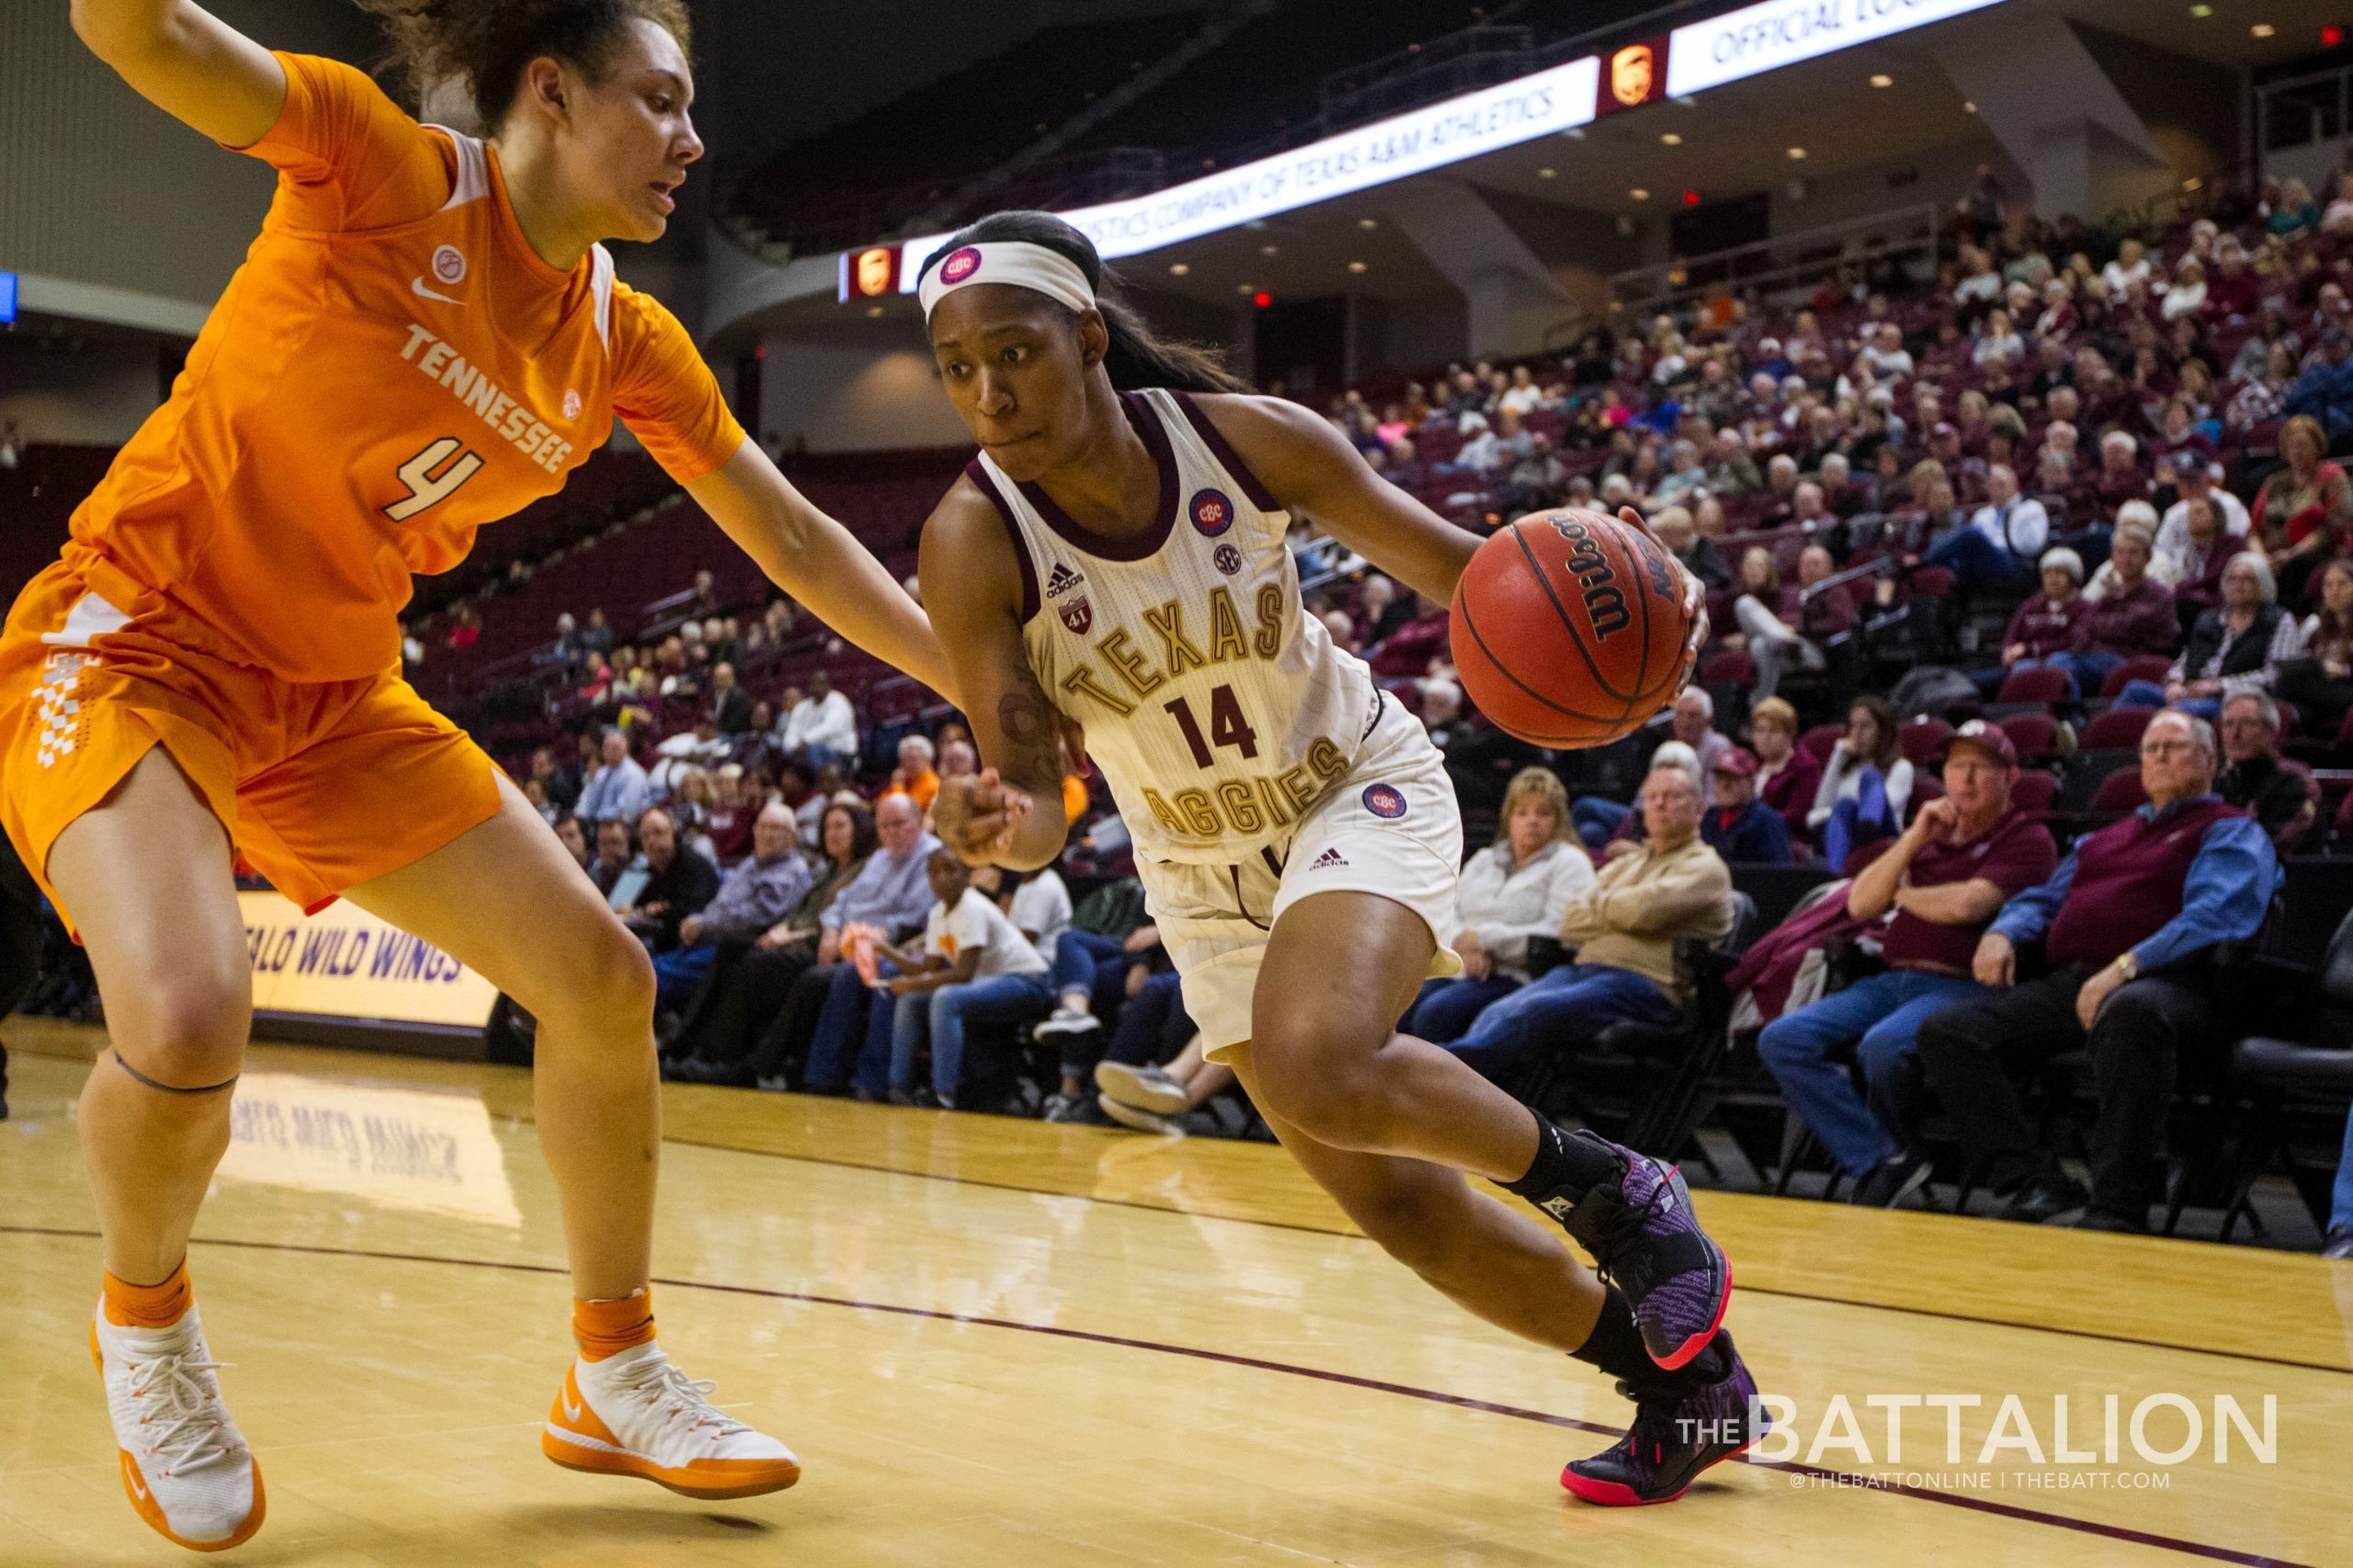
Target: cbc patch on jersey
<point>1384,800</point>
<point>1212,512</point>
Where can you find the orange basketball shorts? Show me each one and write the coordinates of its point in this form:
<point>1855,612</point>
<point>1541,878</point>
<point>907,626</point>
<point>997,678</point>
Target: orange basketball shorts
<point>320,786</point>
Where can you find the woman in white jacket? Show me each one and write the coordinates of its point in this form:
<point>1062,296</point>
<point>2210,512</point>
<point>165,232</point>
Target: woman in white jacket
<point>1518,890</point>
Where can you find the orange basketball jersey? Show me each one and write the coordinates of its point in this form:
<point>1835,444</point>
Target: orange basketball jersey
<point>392,368</point>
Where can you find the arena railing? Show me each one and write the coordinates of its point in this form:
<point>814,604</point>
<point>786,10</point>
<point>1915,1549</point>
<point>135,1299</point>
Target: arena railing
<point>1759,266</point>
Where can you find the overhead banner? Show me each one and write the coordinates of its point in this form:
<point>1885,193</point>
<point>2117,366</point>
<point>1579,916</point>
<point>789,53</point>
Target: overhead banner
<point>343,963</point>
<point>1758,38</point>
<point>1428,138</point>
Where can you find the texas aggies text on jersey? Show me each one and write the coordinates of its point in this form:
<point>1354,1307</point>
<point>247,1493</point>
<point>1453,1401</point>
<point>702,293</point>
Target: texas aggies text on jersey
<point>392,367</point>
<point>1218,709</point>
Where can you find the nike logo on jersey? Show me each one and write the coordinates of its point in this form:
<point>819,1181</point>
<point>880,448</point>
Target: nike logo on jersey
<point>416,286</point>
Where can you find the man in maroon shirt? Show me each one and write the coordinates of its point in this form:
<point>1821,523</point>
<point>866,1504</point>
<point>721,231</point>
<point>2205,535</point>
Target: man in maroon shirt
<point>1948,874</point>
<point>2127,927</point>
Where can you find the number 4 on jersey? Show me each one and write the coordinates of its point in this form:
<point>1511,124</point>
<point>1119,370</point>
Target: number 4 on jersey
<point>426,489</point>
<point>1227,726</point>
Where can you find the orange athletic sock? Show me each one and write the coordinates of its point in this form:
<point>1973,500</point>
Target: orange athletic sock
<point>148,1306</point>
<point>607,1328</point>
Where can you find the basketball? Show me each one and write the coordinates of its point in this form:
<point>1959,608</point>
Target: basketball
<point>1569,629</point>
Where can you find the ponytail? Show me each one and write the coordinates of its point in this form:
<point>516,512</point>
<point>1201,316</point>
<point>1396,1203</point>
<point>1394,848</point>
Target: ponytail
<point>485,44</point>
<point>1138,358</point>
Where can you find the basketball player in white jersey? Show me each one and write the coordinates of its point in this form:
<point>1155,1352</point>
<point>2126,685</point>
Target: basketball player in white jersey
<point>1114,558</point>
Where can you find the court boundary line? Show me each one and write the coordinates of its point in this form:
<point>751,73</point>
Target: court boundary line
<point>2250,1355</point>
<point>1848,1479</point>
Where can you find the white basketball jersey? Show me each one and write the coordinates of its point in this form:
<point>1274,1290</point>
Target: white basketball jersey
<point>1218,709</point>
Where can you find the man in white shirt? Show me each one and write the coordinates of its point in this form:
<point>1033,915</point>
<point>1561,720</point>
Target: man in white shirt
<point>821,727</point>
<point>2198,481</point>
<point>1999,549</point>
<point>1523,397</point>
<point>1886,354</point>
<point>974,966</point>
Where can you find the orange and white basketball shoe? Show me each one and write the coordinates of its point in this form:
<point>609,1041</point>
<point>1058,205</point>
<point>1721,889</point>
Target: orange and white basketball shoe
<point>634,1414</point>
<point>185,1466</point>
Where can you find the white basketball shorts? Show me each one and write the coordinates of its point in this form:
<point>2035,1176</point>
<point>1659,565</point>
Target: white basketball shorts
<point>1389,828</point>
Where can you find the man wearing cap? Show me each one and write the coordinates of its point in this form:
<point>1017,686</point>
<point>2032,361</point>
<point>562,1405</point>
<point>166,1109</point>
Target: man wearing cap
<point>2128,925</point>
<point>1945,878</point>
<point>1739,827</point>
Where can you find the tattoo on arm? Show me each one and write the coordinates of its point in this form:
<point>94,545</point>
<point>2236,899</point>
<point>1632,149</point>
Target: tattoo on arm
<point>1026,718</point>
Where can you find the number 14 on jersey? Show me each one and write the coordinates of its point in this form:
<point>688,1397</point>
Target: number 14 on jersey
<point>1227,726</point>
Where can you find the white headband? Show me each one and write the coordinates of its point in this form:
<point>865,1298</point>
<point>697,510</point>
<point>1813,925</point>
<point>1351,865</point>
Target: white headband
<point>1017,261</point>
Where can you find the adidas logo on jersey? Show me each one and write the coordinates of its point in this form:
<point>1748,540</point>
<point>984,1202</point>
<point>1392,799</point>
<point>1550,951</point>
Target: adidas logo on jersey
<point>1062,580</point>
<point>1328,859</point>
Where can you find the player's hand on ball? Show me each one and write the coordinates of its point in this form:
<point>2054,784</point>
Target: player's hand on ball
<point>1695,598</point>
<point>977,816</point>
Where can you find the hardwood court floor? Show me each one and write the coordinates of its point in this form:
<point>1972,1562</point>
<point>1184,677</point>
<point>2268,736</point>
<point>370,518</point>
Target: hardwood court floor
<point>996,1342</point>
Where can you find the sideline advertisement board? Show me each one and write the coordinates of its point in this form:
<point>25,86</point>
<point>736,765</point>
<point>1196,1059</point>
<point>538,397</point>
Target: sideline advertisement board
<point>345,965</point>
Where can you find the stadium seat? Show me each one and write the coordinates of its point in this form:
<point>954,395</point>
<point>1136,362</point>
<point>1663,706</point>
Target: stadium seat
<point>2036,735</point>
<point>1922,739</point>
<point>2119,792</point>
<point>2117,729</point>
<point>2033,792</point>
<point>2143,666</point>
<point>1733,668</point>
<point>1822,739</point>
<point>2034,685</point>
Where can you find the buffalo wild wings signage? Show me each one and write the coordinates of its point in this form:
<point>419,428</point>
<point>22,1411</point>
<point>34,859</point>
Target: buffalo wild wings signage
<point>343,963</point>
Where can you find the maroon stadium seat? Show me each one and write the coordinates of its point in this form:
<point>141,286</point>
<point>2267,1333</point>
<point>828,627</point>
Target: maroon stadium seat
<point>2119,792</point>
<point>1922,738</point>
<point>2118,729</point>
<point>1821,739</point>
<point>2143,666</point>
<point>1734,668</point>
<point>2034,685</point>
<point>2034,791</point>
<point>2034,734</point>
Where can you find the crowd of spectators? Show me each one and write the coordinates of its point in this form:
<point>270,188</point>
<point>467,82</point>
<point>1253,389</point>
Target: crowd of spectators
<point>2064,514</point>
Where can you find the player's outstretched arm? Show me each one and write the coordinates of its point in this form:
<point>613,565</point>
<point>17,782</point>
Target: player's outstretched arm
<point>189,64</point>
<point>1011,813</point>
<point>816,559</point>
<point>1315,472</point>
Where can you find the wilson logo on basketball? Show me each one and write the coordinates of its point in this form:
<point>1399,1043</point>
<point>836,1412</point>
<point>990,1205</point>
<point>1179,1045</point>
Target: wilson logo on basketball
<point>961,266</point>
<point>1212,512</point>
<point>1228,559</point>
<point>1384,800</point>
<point>1078,615</point>
<point>1605,603</point>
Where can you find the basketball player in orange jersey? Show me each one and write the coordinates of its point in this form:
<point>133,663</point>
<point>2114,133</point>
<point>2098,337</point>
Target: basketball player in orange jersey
<point>1115,558</point>
<point>426,337</point>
